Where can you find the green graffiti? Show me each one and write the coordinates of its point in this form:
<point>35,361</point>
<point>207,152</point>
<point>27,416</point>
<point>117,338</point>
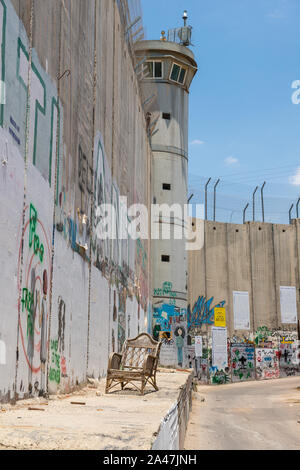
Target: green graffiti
<point>54,372</point>
<point>38,247</point>
<point>166,290</point>
<point>27,306</point>
<point>220,377</point>
<point>262,334</point>
<point>32,224</point>
<point>40,87</point>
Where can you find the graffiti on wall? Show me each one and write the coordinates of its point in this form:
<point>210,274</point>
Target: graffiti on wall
<point>166,291</point>
<point>34,129</point>
<point>242,362</point>
<point>34,302</point>
<point>267,363</point>
<point>54,372</point>
<point>202,312</point>
<point>164,317</point>
<point>262,336</point>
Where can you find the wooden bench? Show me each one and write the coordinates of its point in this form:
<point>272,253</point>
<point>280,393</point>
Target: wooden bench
<point>137,363</point>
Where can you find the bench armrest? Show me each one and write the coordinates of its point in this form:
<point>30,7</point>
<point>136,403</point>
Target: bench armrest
<point>114,361</point>
<point>149,363</point>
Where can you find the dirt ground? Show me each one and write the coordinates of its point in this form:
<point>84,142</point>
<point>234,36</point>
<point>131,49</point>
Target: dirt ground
<point>117,421</point>
<point>260,415</point>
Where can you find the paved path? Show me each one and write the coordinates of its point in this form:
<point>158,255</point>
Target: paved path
<point>250,415</point>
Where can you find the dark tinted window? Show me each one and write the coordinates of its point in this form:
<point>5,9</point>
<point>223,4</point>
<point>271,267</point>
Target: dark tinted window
<point>182,76</point>
<point>158,69</point>
<point>175,72</point>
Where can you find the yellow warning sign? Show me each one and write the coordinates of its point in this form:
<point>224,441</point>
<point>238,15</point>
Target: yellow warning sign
<point>220,316</point>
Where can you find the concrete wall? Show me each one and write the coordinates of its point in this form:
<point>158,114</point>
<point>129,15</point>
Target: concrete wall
<point>72,136</point>
<point>257,258</point>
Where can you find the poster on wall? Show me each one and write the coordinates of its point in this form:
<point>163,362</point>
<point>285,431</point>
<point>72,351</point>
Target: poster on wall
<point>220,316</point>
<point>219,348</point>
<point>288,304</point>
<point>241,310</point>
<point>198,346</point>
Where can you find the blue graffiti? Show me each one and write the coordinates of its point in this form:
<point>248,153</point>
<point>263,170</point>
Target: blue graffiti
<point>164,315</point>
<point>203,312</point>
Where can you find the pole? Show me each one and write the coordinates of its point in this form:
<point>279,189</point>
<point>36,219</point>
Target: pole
<point>297,208</point>
<point>290,213</point>
<point>253,202</point>
<point>244,213</point>
<point>215,197</point>
<point>262,201</point>
<point>206,197</point>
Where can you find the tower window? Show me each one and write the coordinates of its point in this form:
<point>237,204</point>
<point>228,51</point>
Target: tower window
<point>166,116</point>
<point>165,258</point>
<point>166,186</point>
<point>153,69</point>
<point>178,74</point>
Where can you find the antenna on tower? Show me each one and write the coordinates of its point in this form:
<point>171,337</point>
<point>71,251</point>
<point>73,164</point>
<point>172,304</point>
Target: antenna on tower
<point>185,17</point>
<point>183,35</point>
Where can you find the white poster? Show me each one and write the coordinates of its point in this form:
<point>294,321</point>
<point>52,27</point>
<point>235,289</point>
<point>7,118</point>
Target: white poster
<point>288,304</point>
<point>241,310</point>
<point>198,346</point>
<point>219,348</point>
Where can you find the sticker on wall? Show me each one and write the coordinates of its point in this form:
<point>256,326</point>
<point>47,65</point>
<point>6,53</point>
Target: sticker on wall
<point>220,316</point>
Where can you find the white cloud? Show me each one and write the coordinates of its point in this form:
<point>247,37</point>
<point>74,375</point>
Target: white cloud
<point>280,11</point>
<point>197,142</point>
<point>231,161</point>
<point>295,179</point>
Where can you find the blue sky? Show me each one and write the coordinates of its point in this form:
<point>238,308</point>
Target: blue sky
<point>243,125</point>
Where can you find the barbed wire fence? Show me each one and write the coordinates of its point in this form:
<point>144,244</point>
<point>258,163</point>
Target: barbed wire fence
<point>238,202</point>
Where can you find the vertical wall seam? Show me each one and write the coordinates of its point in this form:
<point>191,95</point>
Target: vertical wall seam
<point>55,189</point>
<point>228,285</point>
<point>25,186</point>
<point>297,273</point>
<point>276,284</point>
<point>251,277</point>
<point>93,181</point>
